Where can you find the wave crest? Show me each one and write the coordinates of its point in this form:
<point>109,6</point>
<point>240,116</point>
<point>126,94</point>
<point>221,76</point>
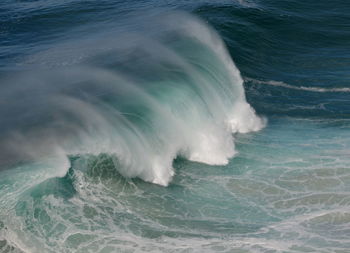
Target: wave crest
<point>147,97</point>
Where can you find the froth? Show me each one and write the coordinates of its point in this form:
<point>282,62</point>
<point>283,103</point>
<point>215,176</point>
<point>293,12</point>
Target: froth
<point>179,95</point>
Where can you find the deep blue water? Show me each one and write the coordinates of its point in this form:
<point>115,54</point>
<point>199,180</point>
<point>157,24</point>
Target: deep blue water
<point>174,126</point>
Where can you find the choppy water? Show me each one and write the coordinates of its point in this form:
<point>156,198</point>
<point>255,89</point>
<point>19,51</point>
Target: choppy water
<point>177,126</point>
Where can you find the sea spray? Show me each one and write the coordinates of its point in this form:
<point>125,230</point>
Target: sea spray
<point>175,92</point>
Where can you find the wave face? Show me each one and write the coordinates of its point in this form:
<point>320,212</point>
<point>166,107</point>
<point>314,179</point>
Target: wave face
<point>144,100</point>
<point>125,126</point>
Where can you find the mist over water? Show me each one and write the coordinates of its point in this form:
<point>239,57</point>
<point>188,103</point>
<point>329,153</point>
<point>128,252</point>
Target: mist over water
<point>128,127</point>
<point>144,101</point>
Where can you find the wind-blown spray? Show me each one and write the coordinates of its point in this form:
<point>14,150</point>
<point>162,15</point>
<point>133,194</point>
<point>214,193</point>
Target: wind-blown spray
<point>144,101</point>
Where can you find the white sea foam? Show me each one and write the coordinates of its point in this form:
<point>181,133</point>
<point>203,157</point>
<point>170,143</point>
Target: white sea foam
<point>288,86</point>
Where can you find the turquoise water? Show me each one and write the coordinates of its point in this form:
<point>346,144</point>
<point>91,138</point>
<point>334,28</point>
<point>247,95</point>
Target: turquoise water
<point>274,195</point>
<point>174,127</point>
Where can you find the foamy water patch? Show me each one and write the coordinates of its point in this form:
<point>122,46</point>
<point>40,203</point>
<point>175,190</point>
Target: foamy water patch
<point>304,88</point>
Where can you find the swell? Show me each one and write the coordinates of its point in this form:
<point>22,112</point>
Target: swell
<point>169,89</point>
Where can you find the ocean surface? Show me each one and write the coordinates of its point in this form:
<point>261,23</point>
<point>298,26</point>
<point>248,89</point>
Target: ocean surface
<point>174,126</point>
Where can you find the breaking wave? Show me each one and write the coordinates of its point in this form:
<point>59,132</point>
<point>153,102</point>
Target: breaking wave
<point>142,98</point>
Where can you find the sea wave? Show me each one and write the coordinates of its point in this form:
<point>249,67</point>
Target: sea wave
<point>173,91</point>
